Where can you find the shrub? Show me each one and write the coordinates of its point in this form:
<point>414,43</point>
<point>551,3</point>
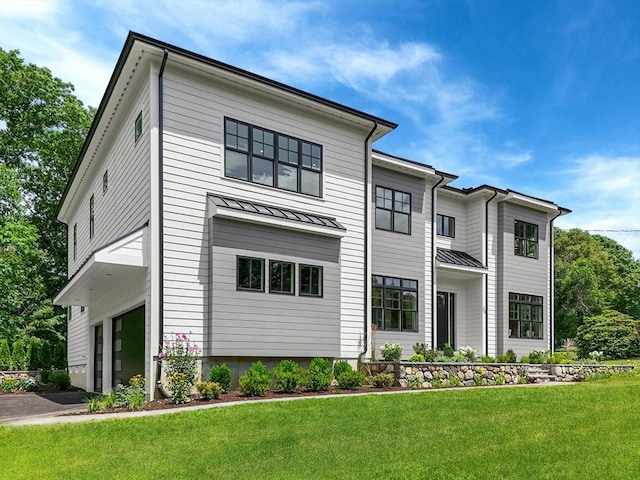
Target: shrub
<point>613,333</point>
<point>487,359</point>
<point>500,379</point>
<point>129,397</point>
<point>8,384</point>
<point>468,353</point>
<point>559,358</point>
<point>381,380</point>
<point>94,404</point>
<point>351,380</point>
<point>33,353</point>
<point>46,376</point>
<point>27,383</point>
<point>415,383</point>
<point>454,380</point>
<point>340,367</point>
<point>287,375</point>
<point>521,379</point>
<point>179,387</point>
<point>524,359</point>
<point>538,356</point>
<point>61,380</point>
<point>6,362</point>
<point>511,356</point>
<point>19,356</point>
<point>429,354</point>
<point>60,355</point>
<point>221,374</point>
<point>478,380</point>
<point>318,376</point>
<point>448,351</point>
<point>45,354</point>
<point>391,352</point>
<point>181,360</point>
<point>209,390</point>
<point>255,381</point>
<point>596,355</point>
<point>417,358</point>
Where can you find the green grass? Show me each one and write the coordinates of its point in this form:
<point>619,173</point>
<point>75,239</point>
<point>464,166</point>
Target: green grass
<point>578,431</point>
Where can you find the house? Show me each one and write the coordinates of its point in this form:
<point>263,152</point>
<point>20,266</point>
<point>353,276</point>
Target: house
<point>258,217</point>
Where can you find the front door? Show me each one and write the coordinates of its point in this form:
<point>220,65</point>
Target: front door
<point>128,346</point>
<point>446,311</point>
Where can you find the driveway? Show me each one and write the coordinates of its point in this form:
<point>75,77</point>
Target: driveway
<point>25,405</point>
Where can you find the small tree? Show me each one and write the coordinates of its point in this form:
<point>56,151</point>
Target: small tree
<point>19,356</point>
<point>615,334</point>
<point>6,362</point>
<point>60,355</point>
<point>33,353</point>
<point>45,354</point>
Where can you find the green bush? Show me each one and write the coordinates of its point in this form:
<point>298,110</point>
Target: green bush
<point>340,367</point>
<point>429,354</point>
<point>381,380</point>
<point>60,355</point>
<point>487,359</point>
<point>287,375</point>
<point>318,376</point>
<point>61,380</point>
<point>6,362</point>
<point>454,380</point>
<point>130,397</point>
<point>613,333</point>
<point>417,358</point>
<point>391,352</point>
<point>448,351</point>
<point>8,384</point>
<point>255,381</point>
<point>33,354</point>
<point>524,359</point>
<point>45,355</point>
<point>500,379</point>
<point>209,390</point>
<point>511,356</point>
<point>560,358</point>
<point>538,356</point>
<point>351,380</point>
<point>221,374</point>
<point>180,387</point>
<point>46,376</point>
<point>19,356</point>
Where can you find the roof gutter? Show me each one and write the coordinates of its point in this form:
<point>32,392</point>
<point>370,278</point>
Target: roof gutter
<point>433,260</point>
<point>486,264</point>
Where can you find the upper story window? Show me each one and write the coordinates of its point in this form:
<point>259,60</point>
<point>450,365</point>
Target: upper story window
<point>394,303</point>
<point>257,155</point>
<point>91,217</point>
<point>446,226</point>
<point>281,277</point>
<point>75,240</point>
<point>310,281</point>
<point>393,210</point>
<point>525,316</point>
<point>525,239</point>
<point>250,274</point>
<point>138,127</point>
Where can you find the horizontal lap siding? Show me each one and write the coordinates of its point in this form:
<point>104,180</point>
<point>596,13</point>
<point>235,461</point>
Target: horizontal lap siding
<point>399,255</point>
<point>453,207</point>
<point>77,337</point>
<point>194,112</point>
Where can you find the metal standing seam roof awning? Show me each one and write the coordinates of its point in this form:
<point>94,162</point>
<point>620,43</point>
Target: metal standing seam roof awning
<point>456,261</point>
<point>106,268</point>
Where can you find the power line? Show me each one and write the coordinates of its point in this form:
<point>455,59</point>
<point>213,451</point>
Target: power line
<point>627,231</point>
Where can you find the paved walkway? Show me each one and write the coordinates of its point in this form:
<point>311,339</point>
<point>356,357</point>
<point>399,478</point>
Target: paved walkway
<point>14,408</point>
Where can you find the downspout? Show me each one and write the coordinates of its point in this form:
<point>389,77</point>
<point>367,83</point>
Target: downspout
<point>161,389</point>
<point>433,260</point>
<point>366,240</point>
<point>552,280</point>
<point>486,260</point>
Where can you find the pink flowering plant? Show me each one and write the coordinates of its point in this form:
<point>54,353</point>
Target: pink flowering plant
<point>179,357</point>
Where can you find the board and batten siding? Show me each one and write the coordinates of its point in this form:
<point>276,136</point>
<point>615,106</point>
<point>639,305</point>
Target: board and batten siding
<point>519,274</point>
<point>246,323</point>
<point>400,255</point>
<point>195,106</point>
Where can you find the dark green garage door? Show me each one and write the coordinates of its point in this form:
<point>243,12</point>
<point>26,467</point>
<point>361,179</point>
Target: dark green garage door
<point>128,346</point>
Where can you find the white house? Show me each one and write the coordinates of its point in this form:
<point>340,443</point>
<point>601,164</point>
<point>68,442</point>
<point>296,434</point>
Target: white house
<point>258,218</point>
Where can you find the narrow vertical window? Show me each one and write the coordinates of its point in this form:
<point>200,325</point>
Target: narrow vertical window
<point>310,281</point>
<point>75,240</point>
<point>138,126</point>
<point>91,217</point>
<point>105,181</point>
<point>446,226</point>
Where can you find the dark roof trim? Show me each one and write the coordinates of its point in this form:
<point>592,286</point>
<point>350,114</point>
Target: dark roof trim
<point>275,212</point>
<point>414,162</point>
<point>126,49</point>
<point>456,257</point>
<point>468,191</point>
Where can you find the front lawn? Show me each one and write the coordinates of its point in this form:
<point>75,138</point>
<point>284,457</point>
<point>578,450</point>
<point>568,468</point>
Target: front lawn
<point>587,430</point>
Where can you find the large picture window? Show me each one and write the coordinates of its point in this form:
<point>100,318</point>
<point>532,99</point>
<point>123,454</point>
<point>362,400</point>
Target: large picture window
<point>525,316</point>
<point>393,210</point>
<point>273,159</point>
<point>310,280</point>
<point>281,277</point>
<point>251,274</point>
<point>445,226</point>
<point>525,239</point>
<point>394,303</point>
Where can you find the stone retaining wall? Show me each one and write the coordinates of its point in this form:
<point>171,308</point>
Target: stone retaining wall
<point>428,375</point>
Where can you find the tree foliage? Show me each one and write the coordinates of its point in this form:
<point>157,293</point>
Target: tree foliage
<point>614,334</point>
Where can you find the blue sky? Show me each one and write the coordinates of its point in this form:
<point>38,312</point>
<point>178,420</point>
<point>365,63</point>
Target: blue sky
<point>539,96</point>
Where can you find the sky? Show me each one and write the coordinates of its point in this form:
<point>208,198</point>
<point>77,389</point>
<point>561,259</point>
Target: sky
<point>542,97</point>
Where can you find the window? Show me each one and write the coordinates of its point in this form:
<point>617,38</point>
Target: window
<point>525,316</point>
<point>310,281</point>
<point>394,303</point>
<point>138,126</point>
<point>75,240</point>
<point>261,156</point>
<point>281,277</point>
<point>525,239</point>
<point>81,309</point>
<point>393,210</point>
<point>250,274</point>
<point>105,181</point>
<point>91,217</point>
<point>446,226</point>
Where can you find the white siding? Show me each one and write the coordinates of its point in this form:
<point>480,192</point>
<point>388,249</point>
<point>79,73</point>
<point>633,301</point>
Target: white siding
<point>453,207</point>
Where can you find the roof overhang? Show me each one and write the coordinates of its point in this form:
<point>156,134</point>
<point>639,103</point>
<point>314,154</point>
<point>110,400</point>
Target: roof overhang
<point>409,167</point>
<point>460,272</point>
<point>121,261</point>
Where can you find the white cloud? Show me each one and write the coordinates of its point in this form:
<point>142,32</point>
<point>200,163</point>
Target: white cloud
<point>27,9</point>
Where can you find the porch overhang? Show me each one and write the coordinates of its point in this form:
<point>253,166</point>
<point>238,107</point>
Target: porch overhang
<point>456,264</point>
<point>123,260</point>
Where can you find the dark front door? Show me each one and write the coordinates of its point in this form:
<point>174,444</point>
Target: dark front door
<point>128,346</point>
<point>446,303</point>
<point>97,358</point>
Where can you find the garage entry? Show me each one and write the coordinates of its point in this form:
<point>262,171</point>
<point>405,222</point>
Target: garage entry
<point>128,346</point>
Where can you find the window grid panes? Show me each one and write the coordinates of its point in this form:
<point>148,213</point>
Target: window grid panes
<point>251,274</point>
<point>525,239</point>
<point>393,210</point>
<point>273,159</point>
<point>281,277</point>
<point>525,316</point>
<point>445,226</point>
<point>394,303</point>
<point>310,280</point>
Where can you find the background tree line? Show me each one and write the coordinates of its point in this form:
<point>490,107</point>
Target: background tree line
<point>42,129</point>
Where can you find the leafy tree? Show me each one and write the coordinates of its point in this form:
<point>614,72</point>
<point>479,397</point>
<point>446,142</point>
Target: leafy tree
<point>615,334</point>
<point>19,356</point>
<point>33,353</point>
<point>45,354</point>
<point>60,355</point>
<point>6,362</point>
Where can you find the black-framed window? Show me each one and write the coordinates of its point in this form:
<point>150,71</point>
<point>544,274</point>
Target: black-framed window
<point>525,316</point>
<point>393,210</point>
<point>75,240</point>
<point>138,127</point>
<point>91,217</point>
<point>262,156</point>
<point>281,277</point>
<point>445,226</point>
<point>525,239</point>
<point>250,274</point>
<point>310,280</point>
<point>105,181</point>
<point>394,303</point>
